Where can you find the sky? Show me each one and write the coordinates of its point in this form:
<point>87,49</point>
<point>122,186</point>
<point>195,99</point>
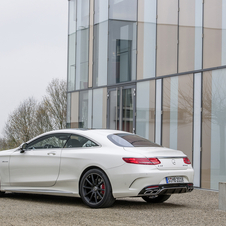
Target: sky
<point>33,50</point>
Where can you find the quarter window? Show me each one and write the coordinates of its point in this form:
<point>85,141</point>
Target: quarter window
<point>77,141</point>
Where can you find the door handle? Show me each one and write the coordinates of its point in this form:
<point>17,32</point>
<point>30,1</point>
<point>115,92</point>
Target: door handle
<point>51,153</point>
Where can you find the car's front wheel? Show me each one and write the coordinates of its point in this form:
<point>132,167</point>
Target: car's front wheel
<point>95,189</point>
<point>156,199</point>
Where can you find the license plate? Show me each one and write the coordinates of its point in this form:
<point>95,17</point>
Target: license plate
<point>170,180</point>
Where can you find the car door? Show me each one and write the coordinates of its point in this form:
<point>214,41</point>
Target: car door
<point>38,165</point>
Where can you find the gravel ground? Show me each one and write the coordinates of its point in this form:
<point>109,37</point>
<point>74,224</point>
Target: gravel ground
<point>199,207</point>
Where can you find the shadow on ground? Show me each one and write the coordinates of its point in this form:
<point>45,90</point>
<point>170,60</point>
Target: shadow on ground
<point>125,203</point>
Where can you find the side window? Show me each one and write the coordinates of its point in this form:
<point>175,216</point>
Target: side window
<point>49,141</point>
<point>79,141</point>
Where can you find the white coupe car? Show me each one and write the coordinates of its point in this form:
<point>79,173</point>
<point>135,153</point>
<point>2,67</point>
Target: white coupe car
<point>97,165</point>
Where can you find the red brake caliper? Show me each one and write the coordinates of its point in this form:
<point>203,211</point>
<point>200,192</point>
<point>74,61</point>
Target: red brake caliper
<point>102,187</point>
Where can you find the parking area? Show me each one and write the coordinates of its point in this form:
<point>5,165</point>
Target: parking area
<point>199,207</point>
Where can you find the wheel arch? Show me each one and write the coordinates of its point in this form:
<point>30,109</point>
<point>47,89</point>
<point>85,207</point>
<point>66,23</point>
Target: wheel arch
<point>87,169</point>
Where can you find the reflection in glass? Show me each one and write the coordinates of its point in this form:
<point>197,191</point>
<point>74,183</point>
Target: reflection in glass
<point>168,12</point>
<point>99,108</point>
<point>146,50</point>
<point>197,128</point>
<point>212,34</point>
<point>74,109</point>
<point>178,113</point>
<point>123,10</point>
<point>127,110</point>
<point>158,112</point>
<point>68,110</point>
<point>100,54</point>
<point>72,17</point>
<point>167,37</point>
<point>147,11</point>
<point>82,14</point>
<point>213,129</point>
<point>113,111</point>
<point>85,109</point>
<point>101,11</point>
<point>122,52</point>
<point>71,61</point>
<point>145,120</point>
<point>190,35</point>
<point>82,59</point>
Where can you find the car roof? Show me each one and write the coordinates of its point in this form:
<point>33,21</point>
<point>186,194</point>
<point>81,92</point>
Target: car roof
<point>96,134</point>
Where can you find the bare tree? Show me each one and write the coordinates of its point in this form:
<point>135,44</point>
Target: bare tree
<point>20,125</point>
<point>56,103</point>
<point>43,122</point>
<point>31,118</point>
<point>3,144</point>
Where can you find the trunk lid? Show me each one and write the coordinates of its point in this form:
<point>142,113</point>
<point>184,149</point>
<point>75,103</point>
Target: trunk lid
<point>170,159</point>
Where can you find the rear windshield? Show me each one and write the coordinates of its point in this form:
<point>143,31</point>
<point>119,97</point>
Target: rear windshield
<point>130,140</point>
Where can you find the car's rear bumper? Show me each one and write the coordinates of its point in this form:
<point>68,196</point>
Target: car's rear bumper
<point>166,189</point>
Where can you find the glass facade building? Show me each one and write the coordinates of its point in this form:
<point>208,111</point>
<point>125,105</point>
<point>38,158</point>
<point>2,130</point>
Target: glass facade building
<point>156,68</point>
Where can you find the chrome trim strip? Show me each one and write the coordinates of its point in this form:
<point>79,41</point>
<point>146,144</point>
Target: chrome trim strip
<point>173,157</point>
<point>38,191</point>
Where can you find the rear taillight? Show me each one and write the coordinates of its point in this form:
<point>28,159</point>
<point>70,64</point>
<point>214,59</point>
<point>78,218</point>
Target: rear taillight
<point>142,161</point>
<point>186,160</point>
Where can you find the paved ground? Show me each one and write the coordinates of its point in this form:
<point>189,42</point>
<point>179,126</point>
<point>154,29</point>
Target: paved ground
<point>197,208</point>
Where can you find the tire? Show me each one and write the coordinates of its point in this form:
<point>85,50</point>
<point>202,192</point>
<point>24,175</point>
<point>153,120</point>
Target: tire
<point>158,199</point>
<point>2,193</point>
<point>95,189</point>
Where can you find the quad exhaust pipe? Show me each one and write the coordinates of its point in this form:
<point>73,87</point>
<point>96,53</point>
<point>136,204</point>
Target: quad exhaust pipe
<point>166,189</point>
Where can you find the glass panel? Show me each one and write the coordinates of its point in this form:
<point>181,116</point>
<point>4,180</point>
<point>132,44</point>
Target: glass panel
<point>167,37</point>
<point>122,52</point>
<point>186,48</point>
<point>130,140</point>
<point>100,54</point>
<point>212,34</point>
<point>74,110</point>
<point>158,116</point>
<point>127,110</point>
<point>82,14</point>
<point>82,59</point>
<point>113,109</point>
<point>51,141</point>
<point>68,110</point>
<point>99,108</point>
<point>72,16</point>
<point>145,120</point>
<point>77,141</point>
<point>85,109</point>
<point>71,61</point>
<point>178,113</point>
<point>90,63</point>
<point>147,11</point>
<point>101,11</point>
<point>167,12</point>
<point>190,35</point>
<point>146,50</point>
<point>213,129</point>
<point>123,10</point>
<point>223,61</point>
<point>197,128</point>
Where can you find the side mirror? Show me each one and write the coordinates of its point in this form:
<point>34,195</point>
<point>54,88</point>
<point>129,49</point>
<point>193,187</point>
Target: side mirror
<point>22,147</point>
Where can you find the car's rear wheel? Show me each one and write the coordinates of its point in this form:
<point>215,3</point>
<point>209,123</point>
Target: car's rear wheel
<point>156,199</point>
<point>1,192</point>
<point>95,189</point>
